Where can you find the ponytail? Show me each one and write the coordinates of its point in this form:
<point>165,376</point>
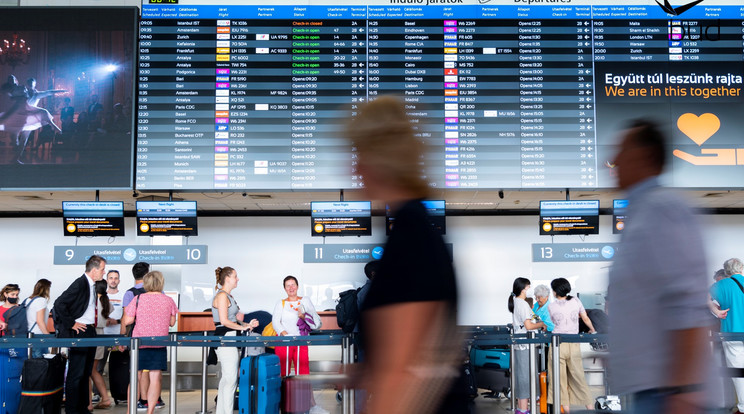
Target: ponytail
<point>510,303</point>
<point>519,285</point>
<point>101,289</point>
<point>220,274</point>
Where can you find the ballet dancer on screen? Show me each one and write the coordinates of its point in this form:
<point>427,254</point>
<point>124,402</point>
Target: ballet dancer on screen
<point>23,116</point>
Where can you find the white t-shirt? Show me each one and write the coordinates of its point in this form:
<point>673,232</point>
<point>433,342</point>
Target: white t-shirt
<point>32,308</point>
<point>115,299</point>
<point>522,312</point>
<point>285,318</point>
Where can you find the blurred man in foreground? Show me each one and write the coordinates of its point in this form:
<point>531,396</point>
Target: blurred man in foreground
<point>659,322</point>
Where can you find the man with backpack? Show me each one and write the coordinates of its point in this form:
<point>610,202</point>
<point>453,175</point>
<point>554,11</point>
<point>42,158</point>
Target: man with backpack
<point>139,270</point>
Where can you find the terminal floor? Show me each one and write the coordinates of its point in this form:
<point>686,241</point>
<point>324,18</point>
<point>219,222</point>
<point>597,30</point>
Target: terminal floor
<point>190,402</point>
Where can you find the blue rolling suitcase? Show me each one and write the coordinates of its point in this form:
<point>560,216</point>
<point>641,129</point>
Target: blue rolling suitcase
<point>491,369</point>
<point>490,358</point>
<point>10,381</point>
<point>260,385</point>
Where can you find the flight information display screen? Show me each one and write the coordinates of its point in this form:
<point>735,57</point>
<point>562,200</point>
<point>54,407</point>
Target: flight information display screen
<point>619,215</point>
<point>436,209</point>
<point>341,218</point>
<point>569,217</point>
<point>506,94</point>
<point>167,218</point>
<point>93,218</point>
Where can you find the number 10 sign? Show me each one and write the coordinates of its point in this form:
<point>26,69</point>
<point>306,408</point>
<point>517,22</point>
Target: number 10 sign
<point>76,255</point>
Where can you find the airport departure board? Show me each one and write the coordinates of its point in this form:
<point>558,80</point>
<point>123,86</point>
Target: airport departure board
<point>506,94</point>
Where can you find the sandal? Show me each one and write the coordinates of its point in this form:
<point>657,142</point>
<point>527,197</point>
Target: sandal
<point>103,405</point>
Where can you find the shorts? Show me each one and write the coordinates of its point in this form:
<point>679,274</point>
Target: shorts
<point>153,359</point>
<point>100,350</point>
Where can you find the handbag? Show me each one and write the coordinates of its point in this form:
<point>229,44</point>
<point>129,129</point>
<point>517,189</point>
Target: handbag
<point>253,350</point>
<point>130,327</point>
<point>269,330</point>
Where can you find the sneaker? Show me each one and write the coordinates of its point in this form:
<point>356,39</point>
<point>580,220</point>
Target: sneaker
<point>96,398</point>
<point>141,405</point>
<point>317,409</point>
<point>160,403</point>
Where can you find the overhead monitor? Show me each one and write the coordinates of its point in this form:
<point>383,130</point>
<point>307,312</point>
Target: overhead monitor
<point>569,217</point>
<point>435,209</point>
<point>66,97</point>
<point>506,94</point>
<point>341,218</point>
<point>619,208</point>
<point>93,218</point>
<point>166,218</point>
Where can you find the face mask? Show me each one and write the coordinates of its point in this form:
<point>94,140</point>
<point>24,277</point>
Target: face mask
<point>12,300</point>
<point>530,293</point>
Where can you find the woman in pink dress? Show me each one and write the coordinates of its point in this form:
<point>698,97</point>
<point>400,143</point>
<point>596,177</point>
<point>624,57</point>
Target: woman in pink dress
<point>152,313</point>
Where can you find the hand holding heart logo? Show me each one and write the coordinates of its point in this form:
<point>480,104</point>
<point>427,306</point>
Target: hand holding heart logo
<point>699,128</point>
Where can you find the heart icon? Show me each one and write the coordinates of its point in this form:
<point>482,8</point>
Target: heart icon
<point>699,128</point>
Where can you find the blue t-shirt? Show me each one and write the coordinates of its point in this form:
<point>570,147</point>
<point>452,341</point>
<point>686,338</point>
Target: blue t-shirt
<point>730,296</point>
<point>544,315</point>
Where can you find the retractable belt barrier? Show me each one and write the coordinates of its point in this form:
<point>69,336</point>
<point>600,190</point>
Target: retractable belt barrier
<point>181,339</point>
<point>191,339</point>
<point>205,340</point>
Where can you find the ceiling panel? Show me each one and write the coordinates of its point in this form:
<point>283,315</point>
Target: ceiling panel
<point>298,202</point>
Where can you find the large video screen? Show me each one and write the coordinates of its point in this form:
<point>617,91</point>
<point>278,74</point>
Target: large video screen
<point>506,94</point>
<point>66,97</point>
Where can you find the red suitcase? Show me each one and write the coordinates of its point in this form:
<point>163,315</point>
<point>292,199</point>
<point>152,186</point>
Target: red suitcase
<point>296,393</point>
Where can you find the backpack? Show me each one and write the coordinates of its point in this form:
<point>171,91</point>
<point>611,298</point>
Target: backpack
<point>600,320</point>
<point>16,319</point>
<point>347,311</point>
<point>136,291</point>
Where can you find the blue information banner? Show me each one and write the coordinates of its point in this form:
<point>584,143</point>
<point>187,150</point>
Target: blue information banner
<point>573,252</point>
<point>115,255</point>
<point>341,253</point>
<point>345,253</point>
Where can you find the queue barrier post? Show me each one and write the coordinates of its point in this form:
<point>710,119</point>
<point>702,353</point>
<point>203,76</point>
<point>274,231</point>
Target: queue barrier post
<point>512,378</point>
<point>30,335</point>
<point>352,396</point>
<point>134,344</point>
<point>533,373</point>
<point>556,345</point>
<point>173,372</point>
<point>205,353</point>
<point>345,398</point>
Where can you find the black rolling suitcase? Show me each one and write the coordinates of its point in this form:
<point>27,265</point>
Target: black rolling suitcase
<point>42,382</point>
<point>119,375</point>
